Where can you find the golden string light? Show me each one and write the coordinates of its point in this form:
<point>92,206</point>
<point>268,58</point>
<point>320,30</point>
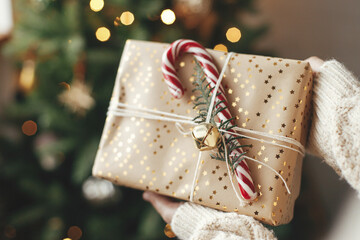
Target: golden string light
<point>74,233</point>
<point>102,34</point>
<point>10,231</point>
<point>27,76</point>
<point>65,85</point>
<point>96,5</point>
<point>233,34</point>
<point>117,21</point>
<point>127,18</point>
<point>168,16</point>
<point>29,128</point>
<point>221,47</point>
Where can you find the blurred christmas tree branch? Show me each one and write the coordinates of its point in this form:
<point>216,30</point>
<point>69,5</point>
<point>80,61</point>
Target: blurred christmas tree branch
<point>55,123</point>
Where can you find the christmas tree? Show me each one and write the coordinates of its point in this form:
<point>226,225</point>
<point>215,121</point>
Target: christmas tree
<point>67,53</point>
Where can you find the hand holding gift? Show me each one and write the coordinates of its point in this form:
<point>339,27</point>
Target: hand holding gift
<point>167,207</point>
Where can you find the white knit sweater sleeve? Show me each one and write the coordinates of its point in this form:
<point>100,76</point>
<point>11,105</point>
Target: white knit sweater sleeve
<point>334,136</point>
<point>195,222</point>
<point>335,129</point>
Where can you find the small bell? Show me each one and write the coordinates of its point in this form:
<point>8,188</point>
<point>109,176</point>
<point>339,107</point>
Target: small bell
<point>206,136</point>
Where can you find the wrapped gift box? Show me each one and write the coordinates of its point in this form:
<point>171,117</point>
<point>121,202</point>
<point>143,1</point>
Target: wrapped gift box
<point>266,94</point>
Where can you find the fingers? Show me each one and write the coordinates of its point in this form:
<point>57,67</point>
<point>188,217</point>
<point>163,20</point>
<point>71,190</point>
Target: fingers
<point>163,205</point>
<point>315,63</point>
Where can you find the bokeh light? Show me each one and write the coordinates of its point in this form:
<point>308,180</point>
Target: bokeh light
<point>127,18</point>
<point>117,21</point>
<point>29,128</point>
<point>27,76</point>
<point>96,5</point>
<point>55,223</point>
<point>221,47</point>
<point>233,34</point>
<point>10,231</point>
<point>65,85</point>
<point>102,34</point>
<point>95,189</point>
<point>74,233</point>
<point>168,16</point>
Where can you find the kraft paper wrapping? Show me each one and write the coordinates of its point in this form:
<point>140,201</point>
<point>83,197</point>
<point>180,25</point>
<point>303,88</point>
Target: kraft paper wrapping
<point>265,94</point>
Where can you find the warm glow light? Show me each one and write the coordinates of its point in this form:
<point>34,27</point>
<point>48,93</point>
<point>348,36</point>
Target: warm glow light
<point>10,231</point>
<point>117,21</point>
<point>29,128</point>
<point>95,189</point>
<point>233,34</point>
<point>65,85</point>
<point>27,76</point>
<point>221,47</point>
<point>74,232</point>
<point>168,16</point>
<point>127,18</point>
<point>96,5</point>
<point>102,34</point>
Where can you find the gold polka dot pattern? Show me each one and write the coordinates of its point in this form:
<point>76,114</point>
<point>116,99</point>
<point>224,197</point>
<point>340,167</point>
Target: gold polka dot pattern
<point>266,94</point>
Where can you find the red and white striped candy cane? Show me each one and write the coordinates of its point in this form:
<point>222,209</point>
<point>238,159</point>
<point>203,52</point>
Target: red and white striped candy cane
<point>169,57</point>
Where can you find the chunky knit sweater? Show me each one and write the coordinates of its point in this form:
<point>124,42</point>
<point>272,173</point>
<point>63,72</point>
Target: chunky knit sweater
<point>334,136</point>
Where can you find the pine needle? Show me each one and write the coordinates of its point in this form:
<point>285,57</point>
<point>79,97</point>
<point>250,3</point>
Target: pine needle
<point>202,103</point>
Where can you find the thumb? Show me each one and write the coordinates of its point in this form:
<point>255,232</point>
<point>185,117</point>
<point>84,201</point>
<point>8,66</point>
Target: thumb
<point>315,63</point>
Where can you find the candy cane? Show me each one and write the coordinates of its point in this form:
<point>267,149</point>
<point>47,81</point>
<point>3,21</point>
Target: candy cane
<point>169,57</point>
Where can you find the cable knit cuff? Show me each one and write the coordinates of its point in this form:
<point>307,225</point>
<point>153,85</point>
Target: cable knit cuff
<point>193,221</point>
<point>332,84</point>
<point>335,127</point>
<point>189,217</point>
<point>341,82</point>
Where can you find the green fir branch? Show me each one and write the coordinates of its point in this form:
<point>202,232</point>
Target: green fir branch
<point>201,104</point>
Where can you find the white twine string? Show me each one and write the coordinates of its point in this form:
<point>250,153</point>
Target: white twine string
<point>115,109</point>
<point>177,119</point>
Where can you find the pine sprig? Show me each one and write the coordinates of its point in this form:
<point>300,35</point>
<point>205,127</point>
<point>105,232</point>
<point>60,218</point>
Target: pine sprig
<point>201,104</point>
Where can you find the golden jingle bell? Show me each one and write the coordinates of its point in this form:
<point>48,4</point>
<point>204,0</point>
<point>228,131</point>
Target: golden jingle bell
<point>206,136</point>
